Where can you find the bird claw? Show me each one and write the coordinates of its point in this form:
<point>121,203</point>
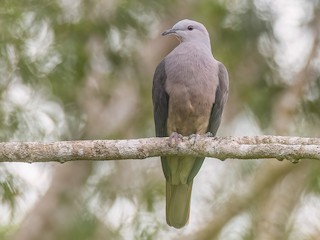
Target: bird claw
<point>193,138</point>
<point>174,139</point>
<point>209,134</point>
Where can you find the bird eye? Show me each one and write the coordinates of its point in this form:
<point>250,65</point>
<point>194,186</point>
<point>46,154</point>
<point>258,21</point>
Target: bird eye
<point>190,28</point>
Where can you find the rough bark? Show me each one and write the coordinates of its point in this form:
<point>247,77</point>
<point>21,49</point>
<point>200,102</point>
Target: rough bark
<point>291,148</point>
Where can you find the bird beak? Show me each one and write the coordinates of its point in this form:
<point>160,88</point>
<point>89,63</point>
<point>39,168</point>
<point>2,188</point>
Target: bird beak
<point>169,31</point>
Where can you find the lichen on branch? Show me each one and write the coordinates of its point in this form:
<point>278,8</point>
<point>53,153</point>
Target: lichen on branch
<point>253,147</point>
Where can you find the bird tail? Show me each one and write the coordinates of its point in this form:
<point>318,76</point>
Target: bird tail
<point>178,204</point>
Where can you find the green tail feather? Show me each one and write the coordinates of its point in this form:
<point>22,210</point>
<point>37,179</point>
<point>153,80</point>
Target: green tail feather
<point>178,204</point>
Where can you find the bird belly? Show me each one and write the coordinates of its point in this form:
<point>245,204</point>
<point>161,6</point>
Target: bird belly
<point>188,116</point>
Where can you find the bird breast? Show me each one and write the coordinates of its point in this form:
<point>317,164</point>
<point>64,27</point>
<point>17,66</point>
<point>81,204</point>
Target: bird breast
<point>191,84</point>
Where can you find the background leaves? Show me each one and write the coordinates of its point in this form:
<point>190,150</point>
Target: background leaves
<point>83,70</point>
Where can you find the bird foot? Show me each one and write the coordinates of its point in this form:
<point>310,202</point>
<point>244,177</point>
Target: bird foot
<point>193,138</point>
<point>209,134</point>
<point>174,139</point>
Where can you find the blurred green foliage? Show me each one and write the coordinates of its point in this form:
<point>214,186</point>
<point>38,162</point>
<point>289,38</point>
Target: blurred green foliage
<point>83,70</point>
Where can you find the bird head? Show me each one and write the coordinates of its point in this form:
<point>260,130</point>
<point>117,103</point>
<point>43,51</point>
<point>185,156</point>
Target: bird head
<point>189,30</point>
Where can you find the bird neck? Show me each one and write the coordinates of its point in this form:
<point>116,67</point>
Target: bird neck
<point>205,44</point>
<point>200,41</point>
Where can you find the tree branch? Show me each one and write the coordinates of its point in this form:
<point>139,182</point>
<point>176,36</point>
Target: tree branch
<point>291,148</point>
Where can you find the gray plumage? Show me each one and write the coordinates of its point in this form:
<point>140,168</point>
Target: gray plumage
<point>190,88</point>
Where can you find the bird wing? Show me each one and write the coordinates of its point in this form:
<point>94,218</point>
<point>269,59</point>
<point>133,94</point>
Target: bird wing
<point>160,100</point>
<point>221,96</point>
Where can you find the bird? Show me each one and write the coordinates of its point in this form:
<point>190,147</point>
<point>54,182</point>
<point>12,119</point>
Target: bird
<point>189,91</point>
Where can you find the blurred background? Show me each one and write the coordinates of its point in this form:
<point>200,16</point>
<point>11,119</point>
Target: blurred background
<point>75,69</point>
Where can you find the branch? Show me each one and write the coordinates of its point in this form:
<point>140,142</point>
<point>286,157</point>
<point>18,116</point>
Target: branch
<point>291,148</point>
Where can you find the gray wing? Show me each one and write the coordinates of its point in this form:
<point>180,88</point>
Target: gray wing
<point>216,112</point>
<point>220,99</point>
<point>160,100</point>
